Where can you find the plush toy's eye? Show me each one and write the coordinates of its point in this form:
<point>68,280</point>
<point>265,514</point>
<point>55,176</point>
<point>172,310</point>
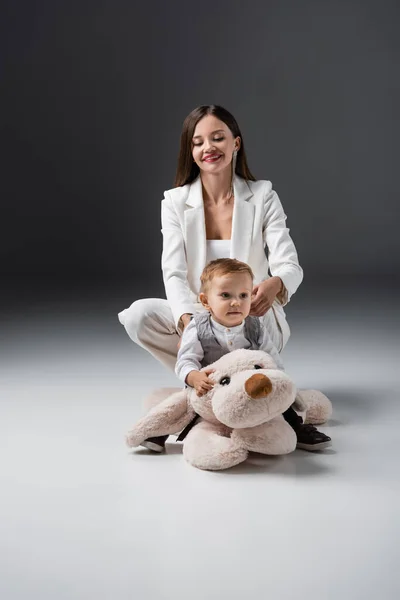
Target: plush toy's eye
<point>225,381</point>
<point>257,366</point>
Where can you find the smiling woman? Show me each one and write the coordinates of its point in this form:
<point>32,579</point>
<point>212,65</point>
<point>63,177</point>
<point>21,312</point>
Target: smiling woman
<point>216,198</point>
<point>211,135</point>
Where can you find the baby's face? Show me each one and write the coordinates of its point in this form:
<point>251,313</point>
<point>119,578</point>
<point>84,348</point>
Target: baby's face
<point>228,298</point>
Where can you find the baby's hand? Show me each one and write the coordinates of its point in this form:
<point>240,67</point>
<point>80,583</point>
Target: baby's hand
<point>199,380</point>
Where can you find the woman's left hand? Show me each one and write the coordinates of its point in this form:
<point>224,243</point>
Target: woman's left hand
<point>264,295</point>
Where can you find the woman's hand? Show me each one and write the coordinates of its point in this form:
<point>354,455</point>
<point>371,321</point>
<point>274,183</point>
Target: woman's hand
<point>264,295</point>
<point>185,320</point>
<point>199,380</point>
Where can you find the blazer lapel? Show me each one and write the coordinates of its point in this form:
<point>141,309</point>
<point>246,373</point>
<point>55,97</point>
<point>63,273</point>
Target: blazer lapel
<point>195,231</point>
<point>242,220</point>
<point>195,228</point>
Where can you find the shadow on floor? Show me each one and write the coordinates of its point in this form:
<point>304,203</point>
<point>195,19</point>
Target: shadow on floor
<point>357,406</point>
<point>297,464</point>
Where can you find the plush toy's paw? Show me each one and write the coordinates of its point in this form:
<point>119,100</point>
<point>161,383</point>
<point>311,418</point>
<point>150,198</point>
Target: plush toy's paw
<point>133,439</point>
<point>319,407</point>
<point>273,438</point>
<point>166,417</point>
<point>211,448</point>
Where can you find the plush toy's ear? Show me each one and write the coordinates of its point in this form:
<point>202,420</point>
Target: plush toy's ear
<point>170,416</point>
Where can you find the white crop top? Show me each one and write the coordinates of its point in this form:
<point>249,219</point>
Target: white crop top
<point>218,249</point>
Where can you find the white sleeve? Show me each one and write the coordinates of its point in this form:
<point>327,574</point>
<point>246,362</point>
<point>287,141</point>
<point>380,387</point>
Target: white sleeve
<point>267,346</point>
<point>190,353</point>
<point>282,255</point>
<point>173,262</point>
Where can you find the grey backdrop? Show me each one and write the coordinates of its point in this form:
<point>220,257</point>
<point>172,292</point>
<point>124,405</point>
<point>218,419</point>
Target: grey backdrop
<point>95,95</point>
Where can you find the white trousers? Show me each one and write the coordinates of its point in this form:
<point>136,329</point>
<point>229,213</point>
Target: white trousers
<point>150,324</point>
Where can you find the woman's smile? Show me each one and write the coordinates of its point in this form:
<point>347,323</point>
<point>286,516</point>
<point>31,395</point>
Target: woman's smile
<point>212,158</point>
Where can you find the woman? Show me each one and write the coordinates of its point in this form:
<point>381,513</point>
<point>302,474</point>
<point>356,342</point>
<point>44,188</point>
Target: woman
<point>216,209</point>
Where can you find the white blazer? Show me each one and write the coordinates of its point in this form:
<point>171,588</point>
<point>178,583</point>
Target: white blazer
<point>258,224</point>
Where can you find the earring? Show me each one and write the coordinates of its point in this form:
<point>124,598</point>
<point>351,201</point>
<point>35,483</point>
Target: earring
<point>234,158</point>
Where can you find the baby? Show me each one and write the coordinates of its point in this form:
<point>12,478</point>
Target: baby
<point>226,293</point>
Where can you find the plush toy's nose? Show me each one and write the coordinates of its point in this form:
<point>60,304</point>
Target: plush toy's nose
<point>258,386</point>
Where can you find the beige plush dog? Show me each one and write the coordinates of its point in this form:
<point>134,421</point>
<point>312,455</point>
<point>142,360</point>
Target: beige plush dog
<point>240,414</point>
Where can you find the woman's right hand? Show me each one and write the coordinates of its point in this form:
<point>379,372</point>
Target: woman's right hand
<point>185,319</point>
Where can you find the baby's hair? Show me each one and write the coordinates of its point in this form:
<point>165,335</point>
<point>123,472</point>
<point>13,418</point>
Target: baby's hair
<point>220,267</point>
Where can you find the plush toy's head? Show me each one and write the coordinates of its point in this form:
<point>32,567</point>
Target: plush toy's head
<point>248,390</point>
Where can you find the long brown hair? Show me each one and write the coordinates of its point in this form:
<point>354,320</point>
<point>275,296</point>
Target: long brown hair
<point>187,170</point>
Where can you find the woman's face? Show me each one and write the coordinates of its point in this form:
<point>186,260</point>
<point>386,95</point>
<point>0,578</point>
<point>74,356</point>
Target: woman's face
<point>213,145</point>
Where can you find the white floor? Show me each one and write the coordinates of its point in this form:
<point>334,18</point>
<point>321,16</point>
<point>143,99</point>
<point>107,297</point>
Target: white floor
<point>83,517</point>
